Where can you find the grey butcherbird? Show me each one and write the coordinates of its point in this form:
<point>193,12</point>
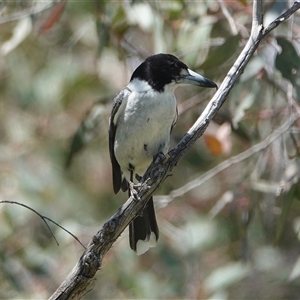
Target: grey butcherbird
<point>142,118</point>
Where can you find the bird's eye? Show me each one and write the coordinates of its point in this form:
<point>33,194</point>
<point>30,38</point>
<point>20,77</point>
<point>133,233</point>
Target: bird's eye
<point>173,69</point>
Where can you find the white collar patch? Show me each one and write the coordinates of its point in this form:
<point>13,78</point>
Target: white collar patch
<point>138,85</point>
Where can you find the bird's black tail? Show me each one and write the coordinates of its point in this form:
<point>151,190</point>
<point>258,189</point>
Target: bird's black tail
<point>143,230</point>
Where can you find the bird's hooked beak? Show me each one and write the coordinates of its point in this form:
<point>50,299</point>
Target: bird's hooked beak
<point>193,78</point>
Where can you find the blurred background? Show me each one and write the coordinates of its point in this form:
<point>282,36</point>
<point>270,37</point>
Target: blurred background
<point>229,214</point>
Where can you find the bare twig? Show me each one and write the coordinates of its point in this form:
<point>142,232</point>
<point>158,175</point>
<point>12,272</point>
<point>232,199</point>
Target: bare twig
<point>45,219</point>
<point>76,284</point>
<point>283,17</point>
<point>257,17</point>
<point>229,18</point>
<point>164,200</point>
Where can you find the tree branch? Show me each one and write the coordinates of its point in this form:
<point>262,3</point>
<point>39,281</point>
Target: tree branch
<point>164,200</point>
<point>45,219</point>
<point>77,282</point>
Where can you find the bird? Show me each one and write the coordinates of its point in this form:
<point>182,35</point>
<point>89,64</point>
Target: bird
<point>142,118</point>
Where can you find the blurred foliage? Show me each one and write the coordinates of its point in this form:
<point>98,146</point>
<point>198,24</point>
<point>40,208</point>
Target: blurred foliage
<point>234,236</point>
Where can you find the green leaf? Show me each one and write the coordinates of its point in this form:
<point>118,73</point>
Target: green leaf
<point>222,53</point>
<point>288,61</point>
<point>285,211</point>
<point>119,22</point>
<point>243,2</point>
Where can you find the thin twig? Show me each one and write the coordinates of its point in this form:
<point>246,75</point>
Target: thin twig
<point>45,219</point>
<point>257,17</point>
<point>164,200</point>
<point>283,17</point>
<point>83,273</point>
<point>229,18</point>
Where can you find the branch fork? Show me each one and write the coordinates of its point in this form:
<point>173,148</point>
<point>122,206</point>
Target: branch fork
<point>77,283</point>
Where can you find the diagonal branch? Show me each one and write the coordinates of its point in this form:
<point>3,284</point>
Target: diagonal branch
<point>77,282</point>
<point>164,200</point>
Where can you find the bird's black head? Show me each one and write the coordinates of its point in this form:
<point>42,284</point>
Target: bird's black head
<point>162,69</point>
<point>159,70</point>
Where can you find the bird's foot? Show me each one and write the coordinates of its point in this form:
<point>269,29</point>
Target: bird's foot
<point>133,190</point>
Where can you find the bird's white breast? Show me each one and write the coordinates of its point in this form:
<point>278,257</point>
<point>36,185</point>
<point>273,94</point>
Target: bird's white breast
<point>144,122</point>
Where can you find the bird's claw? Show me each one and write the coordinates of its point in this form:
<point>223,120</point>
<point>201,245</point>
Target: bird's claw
<point>133,190</point>
<point>134,187</point>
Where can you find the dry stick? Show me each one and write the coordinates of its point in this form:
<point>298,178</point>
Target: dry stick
<point>78,281</point>
<point>164,200</point>
<point>45,219</point>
